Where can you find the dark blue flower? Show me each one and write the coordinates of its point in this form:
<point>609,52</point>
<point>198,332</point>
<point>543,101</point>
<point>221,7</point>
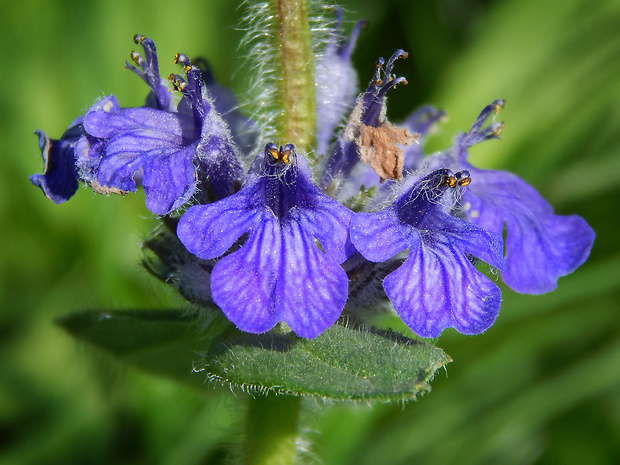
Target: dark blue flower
<point>437,286</point>
<point>169,151</point>
<point>59,179</point>
<point>540,245</point>
<point>280,273</point>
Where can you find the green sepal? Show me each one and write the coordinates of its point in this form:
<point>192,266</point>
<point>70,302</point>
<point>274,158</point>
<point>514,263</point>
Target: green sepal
<point>343,363</point>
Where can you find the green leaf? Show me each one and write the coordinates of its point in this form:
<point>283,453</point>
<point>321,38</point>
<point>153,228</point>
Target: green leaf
<point>165,343</point>
<point>344,363</point>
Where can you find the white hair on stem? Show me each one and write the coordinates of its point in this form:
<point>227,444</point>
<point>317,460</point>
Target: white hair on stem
<point>261,52</point>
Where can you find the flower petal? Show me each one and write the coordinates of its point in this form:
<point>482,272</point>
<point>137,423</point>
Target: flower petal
<point>242,283</point>
<point>437,288</point>
<point>208,231</point>
<point>325,218</point>
<point>312,288</point>
<point>379,236</point>
<point>58,181</point>
<point>149,139</point>
<point>479,242</point>
<point>169,179</point>
<point>107,120</point>
<point>541,251</point>
<point>540,246</point>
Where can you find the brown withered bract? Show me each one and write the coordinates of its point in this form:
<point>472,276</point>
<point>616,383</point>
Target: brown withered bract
<point>380,148</point>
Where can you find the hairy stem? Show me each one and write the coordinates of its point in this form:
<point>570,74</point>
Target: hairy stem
<point>271,430</point>
<point>295,85</point>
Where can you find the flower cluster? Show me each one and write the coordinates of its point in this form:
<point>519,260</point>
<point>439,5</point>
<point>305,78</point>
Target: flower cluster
<point>300,243</point>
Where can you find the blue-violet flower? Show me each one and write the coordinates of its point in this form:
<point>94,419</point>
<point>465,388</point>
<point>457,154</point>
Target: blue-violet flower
<point>540,245</point>
<point>437,286</point>
<point>271,246</point>
<point>279,273</point>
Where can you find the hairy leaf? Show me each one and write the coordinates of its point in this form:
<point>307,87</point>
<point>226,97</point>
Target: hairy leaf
<point>343,363</point>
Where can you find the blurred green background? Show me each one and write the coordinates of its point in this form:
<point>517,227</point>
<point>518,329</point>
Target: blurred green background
<point>541,386</point>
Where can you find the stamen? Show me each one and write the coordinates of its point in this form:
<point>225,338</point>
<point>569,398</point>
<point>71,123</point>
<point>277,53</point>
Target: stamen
<point>138,38</point>
<point>388,80</point>
<point>390,84</point>
<point>390,64</point>
<point>446,178</point>
<point>498,105</point>
<point>177,81</point>
<point>280,155</point>
<point>182,59</point>
<point>275,154</point>
<point>137,59</point>
<point>463,178</point>
<point>498,130</point>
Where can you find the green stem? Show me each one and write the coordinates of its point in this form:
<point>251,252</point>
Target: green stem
<point>271,430</point>
<point>295,90</point>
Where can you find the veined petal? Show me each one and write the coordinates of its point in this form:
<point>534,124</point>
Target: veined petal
<point>169,175</point>
<point>169,179</point>
<point>208,231</point>
<point>540,246</point>
<point>112,121</point>
<point>479,242</point>
<point>438,288</point>
<point>379,236</point>
<point>148,139</point>
<point>312,288</point>
<point>326,219</point>
<point>243,283</point>
<point>541,250</point>
<point>280,273</point>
